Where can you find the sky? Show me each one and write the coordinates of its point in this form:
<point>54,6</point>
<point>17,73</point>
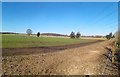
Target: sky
<point>88,18</point>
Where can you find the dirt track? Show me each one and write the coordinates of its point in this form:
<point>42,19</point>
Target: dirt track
<point>85,60</point>
<point>44,49</point>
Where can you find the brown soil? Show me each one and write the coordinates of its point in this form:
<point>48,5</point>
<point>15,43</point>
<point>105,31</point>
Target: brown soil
<point>85,60</point>
<point>43,49</point>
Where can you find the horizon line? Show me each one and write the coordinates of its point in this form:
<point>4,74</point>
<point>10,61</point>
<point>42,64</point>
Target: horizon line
<point>55,33</point>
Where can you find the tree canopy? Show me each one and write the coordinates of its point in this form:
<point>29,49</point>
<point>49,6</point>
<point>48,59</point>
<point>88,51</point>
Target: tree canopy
<point>29,32</point>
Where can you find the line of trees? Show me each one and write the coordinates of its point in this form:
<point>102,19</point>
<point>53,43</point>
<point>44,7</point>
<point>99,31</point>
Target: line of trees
<point>110,35</point>
<point>72,35</point>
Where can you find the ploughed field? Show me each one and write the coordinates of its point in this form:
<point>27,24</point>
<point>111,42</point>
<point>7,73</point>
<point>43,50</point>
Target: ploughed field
<point>28,55</point>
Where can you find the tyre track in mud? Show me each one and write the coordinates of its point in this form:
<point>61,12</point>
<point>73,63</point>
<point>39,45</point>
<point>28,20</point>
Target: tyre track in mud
<point>42,49</point>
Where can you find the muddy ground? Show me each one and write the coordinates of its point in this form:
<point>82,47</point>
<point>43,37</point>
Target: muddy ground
<point>72,60</point>
<point>43,49</point>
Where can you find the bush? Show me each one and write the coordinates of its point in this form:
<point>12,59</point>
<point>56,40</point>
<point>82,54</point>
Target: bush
<point>108,37</point>
<point>38,34</point>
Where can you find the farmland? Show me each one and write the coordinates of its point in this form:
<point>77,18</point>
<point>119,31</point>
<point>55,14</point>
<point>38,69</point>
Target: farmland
<point>60,38</point>
<point>21,41</point>
<point>82,60</point>
<point>31,55</point>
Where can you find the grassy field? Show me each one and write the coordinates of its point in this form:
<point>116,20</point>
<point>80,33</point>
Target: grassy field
<point>20,41</point>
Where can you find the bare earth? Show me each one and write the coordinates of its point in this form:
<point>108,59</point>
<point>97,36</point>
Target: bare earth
<point>82,60</point>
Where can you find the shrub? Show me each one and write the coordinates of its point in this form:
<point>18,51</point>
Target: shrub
<point>38,34</point>
<point>108,37</point>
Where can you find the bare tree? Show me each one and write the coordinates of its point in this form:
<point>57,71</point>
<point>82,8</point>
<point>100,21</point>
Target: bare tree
<point>29,32</point>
